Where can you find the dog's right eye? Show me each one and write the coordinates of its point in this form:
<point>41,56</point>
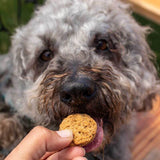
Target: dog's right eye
<point>46,55</point>
<point>102,45</point>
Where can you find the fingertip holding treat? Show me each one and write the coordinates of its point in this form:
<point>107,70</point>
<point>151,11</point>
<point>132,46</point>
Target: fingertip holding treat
<point>80,158</point>
<point>78,150</point>
<point>65,133</point>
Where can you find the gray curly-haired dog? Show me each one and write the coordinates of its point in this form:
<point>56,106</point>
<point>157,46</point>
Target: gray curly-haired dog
<point>78,56</point>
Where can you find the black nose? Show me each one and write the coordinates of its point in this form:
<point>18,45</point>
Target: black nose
<point>78,92</point>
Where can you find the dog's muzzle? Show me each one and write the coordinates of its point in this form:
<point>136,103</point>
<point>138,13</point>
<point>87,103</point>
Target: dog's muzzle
<point>79,92</point>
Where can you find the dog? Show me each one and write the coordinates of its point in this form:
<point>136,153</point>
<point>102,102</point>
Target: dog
<point>78,56</point>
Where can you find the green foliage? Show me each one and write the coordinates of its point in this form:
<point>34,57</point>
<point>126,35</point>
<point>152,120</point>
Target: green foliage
<point>13,13</point>
<point>4,41</point>
<point>8,14</point>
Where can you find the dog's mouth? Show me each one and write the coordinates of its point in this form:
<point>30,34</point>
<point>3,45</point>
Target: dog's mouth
<point>96,143</point>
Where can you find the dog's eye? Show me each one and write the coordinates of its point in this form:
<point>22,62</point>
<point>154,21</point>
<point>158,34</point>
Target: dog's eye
<point>46,55</point>
<point>102,45</point>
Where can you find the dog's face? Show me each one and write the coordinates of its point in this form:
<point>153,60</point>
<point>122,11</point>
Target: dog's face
<point>84,56</point>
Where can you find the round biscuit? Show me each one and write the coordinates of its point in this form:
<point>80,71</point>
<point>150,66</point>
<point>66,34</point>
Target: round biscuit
<point>84,128</point>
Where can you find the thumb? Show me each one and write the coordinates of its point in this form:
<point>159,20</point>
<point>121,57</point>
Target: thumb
<point>39,141</point>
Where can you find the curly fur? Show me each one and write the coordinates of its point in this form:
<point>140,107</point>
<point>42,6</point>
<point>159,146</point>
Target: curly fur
<point>124,74</point>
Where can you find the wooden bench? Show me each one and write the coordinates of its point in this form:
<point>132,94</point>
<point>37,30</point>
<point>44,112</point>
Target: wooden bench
<point>148,8</point>
<point>146,145</point>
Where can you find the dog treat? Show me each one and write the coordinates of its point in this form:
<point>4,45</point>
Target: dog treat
<point>84,128</point>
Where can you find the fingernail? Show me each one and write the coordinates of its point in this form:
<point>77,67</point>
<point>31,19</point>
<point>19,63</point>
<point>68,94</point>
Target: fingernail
<point>65,133</point>
<point>81,158</point>
<point>84,151</point>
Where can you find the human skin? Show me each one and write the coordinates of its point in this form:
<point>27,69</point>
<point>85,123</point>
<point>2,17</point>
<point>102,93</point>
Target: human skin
<point>44,144</point>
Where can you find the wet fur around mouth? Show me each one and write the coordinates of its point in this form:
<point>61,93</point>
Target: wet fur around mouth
<point>78,56</point>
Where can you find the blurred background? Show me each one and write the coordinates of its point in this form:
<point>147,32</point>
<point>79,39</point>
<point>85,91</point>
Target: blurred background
<point>14,13</point>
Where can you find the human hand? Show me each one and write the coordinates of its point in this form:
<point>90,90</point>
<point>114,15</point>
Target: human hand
<point>44,144</point>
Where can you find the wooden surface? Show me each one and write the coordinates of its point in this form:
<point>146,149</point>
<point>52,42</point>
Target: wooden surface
<point>147,8</point>
<point>146,145</point>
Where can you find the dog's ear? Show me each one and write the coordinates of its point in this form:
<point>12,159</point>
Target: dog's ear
<point>148,86</point>
<point>144,100</point>
<point>140,67</point>
<point>17,54</point>
<point>152,86</point>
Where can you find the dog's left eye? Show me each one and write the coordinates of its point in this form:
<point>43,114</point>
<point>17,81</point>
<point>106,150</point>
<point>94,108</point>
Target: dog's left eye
<point>102,45</point>
<point>46,55</point>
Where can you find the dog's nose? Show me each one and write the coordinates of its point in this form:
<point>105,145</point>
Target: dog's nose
<point>78,92</point>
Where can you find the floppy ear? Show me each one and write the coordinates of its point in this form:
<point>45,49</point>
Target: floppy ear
<point>153,85</point>
<point>149,86</point>
<point>146,96</point>
<point>140,67</point>
<point>17,54</point>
